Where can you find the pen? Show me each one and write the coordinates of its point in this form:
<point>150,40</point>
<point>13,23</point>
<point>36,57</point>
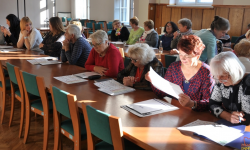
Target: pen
<point>239,117</point>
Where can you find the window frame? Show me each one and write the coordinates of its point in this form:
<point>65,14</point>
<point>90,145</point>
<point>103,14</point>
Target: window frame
<point>129,9</point>
<point>196,3</point>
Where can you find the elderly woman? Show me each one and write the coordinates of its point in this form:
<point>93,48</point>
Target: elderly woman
<point>52,43</point>
<point>185,28</point>
<point>219,28</point>
<point>29,36</point>
<point>150,36</point>
<point>75,49</point>
<point>120,32</point>
<point>79,24</point>
<point>142,58</point>
<point>242,50</point>
<point>104,57</point>
<point>192,75</point>
<point>169,29</point>
<point>136,31</point>
<point>231,94</point>
<point>11,35</point>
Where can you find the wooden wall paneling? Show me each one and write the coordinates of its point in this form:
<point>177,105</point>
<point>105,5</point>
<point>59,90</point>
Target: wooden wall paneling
<point>236,21</point>
<point>197,18</point>
<point>222,12</point>
<point>175,15</point>
<point>166,15</point>
<point>208,17</point>
<point>151,11</point>
<point>246,20</point>
<point>186,13</point>
<point>158,13</point>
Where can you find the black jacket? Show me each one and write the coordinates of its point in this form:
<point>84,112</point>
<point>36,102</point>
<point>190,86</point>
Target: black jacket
<point>13,38</point>
<point>123,36</point>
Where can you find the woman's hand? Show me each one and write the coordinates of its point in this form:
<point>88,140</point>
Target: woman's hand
<point>185,100</point>
<point>100,70</point>
<point>6,32</point>
<point>41,45</point>
<point>235,117</point>
<point>129,81</point>
<point>176,33</point>
<point>66,44</point>
<point>174,51</point>
<point>25,33</point>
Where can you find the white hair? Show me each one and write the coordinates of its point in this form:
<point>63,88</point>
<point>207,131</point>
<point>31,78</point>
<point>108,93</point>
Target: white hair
<point>142,52</point>
<point>74,29</point>
<point>227,62</point>
<point>99,36</point>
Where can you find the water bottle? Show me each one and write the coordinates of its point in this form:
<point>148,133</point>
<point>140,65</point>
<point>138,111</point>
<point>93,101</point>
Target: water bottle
<point>160,48</point>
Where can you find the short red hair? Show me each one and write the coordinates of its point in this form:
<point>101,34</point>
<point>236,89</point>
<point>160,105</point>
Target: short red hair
<point>191,44</point>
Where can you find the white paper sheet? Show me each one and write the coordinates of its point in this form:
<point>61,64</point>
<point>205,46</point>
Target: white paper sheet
<point>117,42</point>
<point>37,61</point>
<point>70,79</point>
<point>11,50</point>
<point>44,61</point>
<point>164,85</point>
<point>85,74</point>
<point>4,47</point>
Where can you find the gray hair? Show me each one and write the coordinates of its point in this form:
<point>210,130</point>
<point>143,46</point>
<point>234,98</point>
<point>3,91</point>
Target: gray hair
<point>227,62</point>
<point>142,52</point>
<point>99,36</point>
<point>115,22</point>
<point>74,29</point>
<point>220,24</point>
<point>185,22</point>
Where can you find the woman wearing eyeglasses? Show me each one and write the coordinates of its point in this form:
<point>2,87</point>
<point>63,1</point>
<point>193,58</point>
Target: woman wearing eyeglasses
<point>104,58</point>
<point>120,32</point>
<point>169,29</point>
<point>192,75</point>
<point>142,58</point>
<point>230,98</point>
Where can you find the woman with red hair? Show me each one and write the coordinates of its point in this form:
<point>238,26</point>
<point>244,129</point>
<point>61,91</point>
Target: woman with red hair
<point>192,75</point>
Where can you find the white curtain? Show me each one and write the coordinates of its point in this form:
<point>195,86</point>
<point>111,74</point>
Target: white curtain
<point>79,9</point>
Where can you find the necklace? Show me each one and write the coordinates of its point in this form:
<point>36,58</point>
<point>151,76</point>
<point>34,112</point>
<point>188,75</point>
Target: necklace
<point>186,81</point>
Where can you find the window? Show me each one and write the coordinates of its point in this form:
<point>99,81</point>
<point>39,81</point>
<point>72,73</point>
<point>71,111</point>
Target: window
<point>124,10</point>
<point>81,9</point>
<point>194,2</point>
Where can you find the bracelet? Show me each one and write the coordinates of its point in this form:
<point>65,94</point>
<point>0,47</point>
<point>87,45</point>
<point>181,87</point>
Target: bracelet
<point>25,37</point>
<point>195,105</point>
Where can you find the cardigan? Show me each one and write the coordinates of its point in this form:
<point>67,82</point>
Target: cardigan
<point>78,52</point>
<point>35,39</point>
<point>13,38</point>
<point>53,44</point>
<point>166,41</point>
<point>134,36</point>
<point>200,87</point>
<point>143,84</point>
<point>112,60</point>
<point>231,98</point>
<point>209,40</point>
<point>124,34</point>
<point>152,39</point>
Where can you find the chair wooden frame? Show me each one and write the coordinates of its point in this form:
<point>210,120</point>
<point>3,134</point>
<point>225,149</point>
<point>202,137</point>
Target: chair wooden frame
<point>44,113</point>
<point>74,113</point>
<point>20,99</point>
<point>115,129</point>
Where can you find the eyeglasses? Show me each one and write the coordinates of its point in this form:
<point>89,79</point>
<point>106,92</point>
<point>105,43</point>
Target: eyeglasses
<point>222,79</point>
<point>96,45</point>
<point>117,23</point>
<point>168,26</point>
<point>186,56</point>
<point>135,60</point>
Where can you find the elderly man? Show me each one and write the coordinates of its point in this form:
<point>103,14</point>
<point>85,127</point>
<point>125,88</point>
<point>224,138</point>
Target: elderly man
<point>75,49</point>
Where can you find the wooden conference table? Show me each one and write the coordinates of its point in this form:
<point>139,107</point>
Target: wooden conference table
<point>153,132</point>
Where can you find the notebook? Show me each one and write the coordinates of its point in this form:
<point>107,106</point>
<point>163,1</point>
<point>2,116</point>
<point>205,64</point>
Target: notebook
<point>70,79</point>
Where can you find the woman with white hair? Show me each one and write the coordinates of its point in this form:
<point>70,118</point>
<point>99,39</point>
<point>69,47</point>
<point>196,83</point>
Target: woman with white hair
<point>230,98</point>
<point>104,57</point>
<point>75,49</point>
<point>142,58</point>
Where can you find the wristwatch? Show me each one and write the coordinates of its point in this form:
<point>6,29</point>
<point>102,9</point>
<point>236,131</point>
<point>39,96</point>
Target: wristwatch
<point>194,105</point>
<point>25,37</point>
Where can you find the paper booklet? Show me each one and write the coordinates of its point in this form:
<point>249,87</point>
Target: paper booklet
<point>113,87</point>
<point>4,47</point>
<point>70,79</point>
<point>149,107</point>
<point>11,50</point>
<point>43,61</point>
<point>85,75</point>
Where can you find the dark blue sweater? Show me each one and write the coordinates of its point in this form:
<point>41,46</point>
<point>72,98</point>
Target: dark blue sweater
<point>166,42</point>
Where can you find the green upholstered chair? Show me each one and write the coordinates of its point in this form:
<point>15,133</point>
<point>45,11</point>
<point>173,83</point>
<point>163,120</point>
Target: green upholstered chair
<point>34,85</point>
<point>91,21</point>
<point>97,26</point>
<point>73,128</point>
<point>126,61</point>
<point>234,38</point>
<point>165,70</point>
<point>83,22</point>
<point>69,19</point>
<point>107,128</point>
<point>167,60</point>
<point>109,28</point>
<point>90,29</point>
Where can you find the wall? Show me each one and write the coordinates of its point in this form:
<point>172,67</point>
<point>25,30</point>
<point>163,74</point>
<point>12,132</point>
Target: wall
<point>141,10</point>
<point>102,10</point>
<point>63,5</point>
<point>7,7</point>
<point>231,2</point>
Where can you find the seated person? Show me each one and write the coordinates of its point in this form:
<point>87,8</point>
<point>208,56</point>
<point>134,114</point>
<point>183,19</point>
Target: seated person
<point>52,43</point>
<point>142,58</point>
<point>185,28</point>
<point>2,40</point>
<point>79,24</point>
<point>226,41</point>
<point>11,35</point>
<point>192,75</point>
<point>75,48</point>
<point>242,36</point>
<point>219,27</point>
<point>169,29</point>
<point>30,37</point>
<point>230,96</point>
<point>242,50</point>
<point>120,32</point>
<point>150,36</point>
<point>104,57</point>
<point>136,31</point>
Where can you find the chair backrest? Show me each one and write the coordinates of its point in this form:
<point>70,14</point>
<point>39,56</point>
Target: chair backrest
<point>165,70</point>
<point>126,61</point>
<point>109,26</point>
<point>89,25</point>
<point>2,76</point>
<point>168,60</point>
<point>104,126</point>
<point>110,22</point>
<point>30,83</point>
<point>69,19</point>
<point>63,19</point>
<point>91,21</point>
<point>83,22</point>
<point>234,38</point>
<point>97,26</point>
<point>104,25</point>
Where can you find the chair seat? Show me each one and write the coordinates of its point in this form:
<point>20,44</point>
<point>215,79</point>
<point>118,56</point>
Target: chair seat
<point>38,104</point>
<point>30,95</point>
<point>109,32</point>
<point>128,146</point>
<point>68,126</point>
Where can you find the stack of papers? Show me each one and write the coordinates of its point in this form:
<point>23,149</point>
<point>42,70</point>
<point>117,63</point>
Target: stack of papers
<point>10,50</point>
<point>42,61</point>
<point>220,134</point>
<point>4,47</point>
<point>85,75</point>
<point>117,42</point>
<point>113,87</point>
<point>70,79</point>
<point>149,107</point>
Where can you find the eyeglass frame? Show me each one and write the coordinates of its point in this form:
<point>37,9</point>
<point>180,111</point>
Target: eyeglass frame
<point>135,60</point>
<point>96,45</point>
<point>223,81</point>
<point>168,26</point>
